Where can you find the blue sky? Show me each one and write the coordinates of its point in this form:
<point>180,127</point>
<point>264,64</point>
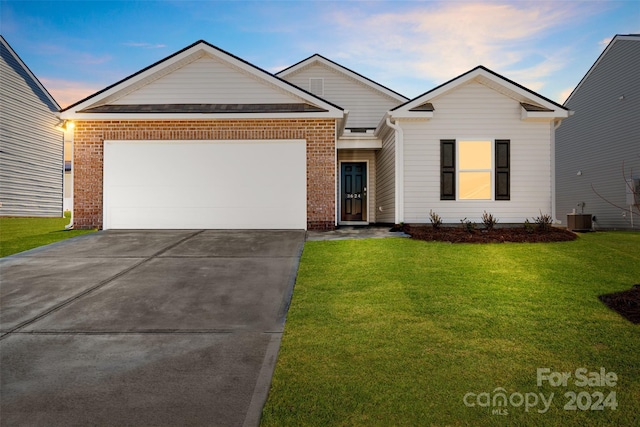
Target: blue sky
<point>79,47</point>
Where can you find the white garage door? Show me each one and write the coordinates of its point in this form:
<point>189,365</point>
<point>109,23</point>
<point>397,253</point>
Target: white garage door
<point>205,184</point>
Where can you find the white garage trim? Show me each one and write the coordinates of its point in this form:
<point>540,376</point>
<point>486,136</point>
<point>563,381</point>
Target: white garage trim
<point>253,184</point>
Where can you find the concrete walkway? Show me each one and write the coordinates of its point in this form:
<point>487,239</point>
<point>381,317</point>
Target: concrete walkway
<point>163,328</point>
<point>355,232</point>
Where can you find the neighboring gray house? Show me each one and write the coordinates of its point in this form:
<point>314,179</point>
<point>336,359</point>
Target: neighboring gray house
<point>31,148</point>
<point>602,138</point>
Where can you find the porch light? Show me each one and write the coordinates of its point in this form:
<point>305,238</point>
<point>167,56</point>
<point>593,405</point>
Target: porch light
<point>64,125</point>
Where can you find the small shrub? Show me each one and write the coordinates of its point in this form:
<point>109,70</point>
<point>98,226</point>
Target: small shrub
<point>543,221</point>
<point>489,220</point>
<point>530,228</point>
<point>436,220</point>
<point>468,225</point>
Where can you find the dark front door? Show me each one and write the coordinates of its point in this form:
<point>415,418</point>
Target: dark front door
<point>353,193</point>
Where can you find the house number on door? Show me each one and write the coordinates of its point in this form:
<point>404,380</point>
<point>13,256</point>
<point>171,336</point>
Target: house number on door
<point>354,196</point>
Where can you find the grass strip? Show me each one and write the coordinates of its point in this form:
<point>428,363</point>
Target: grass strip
<point>397,332</point>
<point>19,234</point>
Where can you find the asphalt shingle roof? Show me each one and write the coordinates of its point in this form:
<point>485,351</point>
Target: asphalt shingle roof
<point>205,108</point>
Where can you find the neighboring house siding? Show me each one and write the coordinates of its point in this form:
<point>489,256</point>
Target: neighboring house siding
<point>474,111</point>
<point>368,156</point>
<point>321,156</point>
<point>366,106</point>
<point>31,163</point>
<point>601,136</point>
<point>206,81</point>
<point>386,179</point>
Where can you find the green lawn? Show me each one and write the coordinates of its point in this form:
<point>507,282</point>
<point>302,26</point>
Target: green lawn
<point>21,234</point>
<point>397,332</point>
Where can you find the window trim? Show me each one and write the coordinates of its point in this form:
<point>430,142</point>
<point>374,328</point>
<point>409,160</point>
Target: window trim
<point>453,171</point>
<point>490,170</point>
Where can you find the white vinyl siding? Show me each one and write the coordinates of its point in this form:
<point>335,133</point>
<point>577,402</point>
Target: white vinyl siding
<point>476,112</point>
<point>366,105</point>
<point>368,156</point>
<point>207,81</point>
<point>31,163</point>
<point>385,179</point>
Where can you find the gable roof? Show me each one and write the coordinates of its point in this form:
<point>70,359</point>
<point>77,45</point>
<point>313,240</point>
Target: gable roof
<point>616,38</point>
<point>26,71</point>
<point>105,103</point>
<point>317,58</point>
<point>533,104</point>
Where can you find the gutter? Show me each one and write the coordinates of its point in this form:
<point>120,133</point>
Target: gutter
<point>399,162</point>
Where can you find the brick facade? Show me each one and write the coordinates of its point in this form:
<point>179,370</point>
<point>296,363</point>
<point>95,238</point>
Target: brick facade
<point>321,156</point>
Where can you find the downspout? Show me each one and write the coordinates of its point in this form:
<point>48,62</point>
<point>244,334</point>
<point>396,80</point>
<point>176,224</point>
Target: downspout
<point>399,171</point>
<point>555,125</point>
<point>73,168</point>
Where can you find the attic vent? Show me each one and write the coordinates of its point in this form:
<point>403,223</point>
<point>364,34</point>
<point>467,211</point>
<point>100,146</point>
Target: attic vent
<point>316,86</point>
<point>427,106</point>
<point>531,107</point>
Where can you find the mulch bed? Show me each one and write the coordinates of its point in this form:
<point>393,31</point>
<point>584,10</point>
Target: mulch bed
<point>626,303</point>
<point>497,235</point>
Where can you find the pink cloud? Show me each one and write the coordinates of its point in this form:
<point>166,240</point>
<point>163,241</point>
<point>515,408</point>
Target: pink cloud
<point>67,92</point>
<point>447,39</point>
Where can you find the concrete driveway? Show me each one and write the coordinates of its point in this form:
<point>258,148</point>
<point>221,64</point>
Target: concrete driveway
<point>144,327</point>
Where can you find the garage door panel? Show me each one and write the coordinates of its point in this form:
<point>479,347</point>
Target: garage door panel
<point>240,184</point>
<point>170,196</point>
<point>173,218</point>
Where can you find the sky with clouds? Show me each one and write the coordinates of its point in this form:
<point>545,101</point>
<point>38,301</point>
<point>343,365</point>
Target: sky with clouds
<point>76,48</point>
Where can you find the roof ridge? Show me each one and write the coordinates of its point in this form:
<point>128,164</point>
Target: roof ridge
<point>191,46</point>
<point>342,67</point>
<point>482,67</point>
